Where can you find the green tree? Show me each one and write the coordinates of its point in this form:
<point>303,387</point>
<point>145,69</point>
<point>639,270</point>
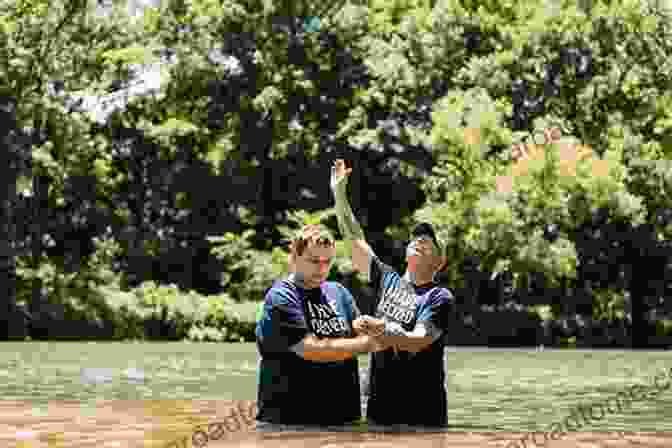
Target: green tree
<point>49,47</point>
<point>427,99</point>
<point>532,67</point>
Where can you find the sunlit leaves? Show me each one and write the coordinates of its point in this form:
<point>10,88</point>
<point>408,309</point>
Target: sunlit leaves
<point>172,127</point>
<point>130,55</point>
<point>465,125</point>
<point>24,185</point>
<point>24,8</point>
<point>256,269</point>
<point>101,168</point>
<point>559,183</point>
<point>219,151</point>
<point>268,100</point>
<point>556,260</point>
<point>211,8</point>
<point>388,62</point>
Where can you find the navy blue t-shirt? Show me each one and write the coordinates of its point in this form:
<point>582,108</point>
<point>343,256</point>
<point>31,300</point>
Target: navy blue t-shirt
<point>292,390</point>
<point>408,388</point>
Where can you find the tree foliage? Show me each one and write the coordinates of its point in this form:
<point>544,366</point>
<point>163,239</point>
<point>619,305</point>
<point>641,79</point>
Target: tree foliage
<point>182,145</point>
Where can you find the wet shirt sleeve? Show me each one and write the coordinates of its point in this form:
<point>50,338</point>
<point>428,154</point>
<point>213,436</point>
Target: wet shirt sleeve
<point>382,276</point>
<point>283,321</point>
<point>436,308</point>
<point>350,304</point>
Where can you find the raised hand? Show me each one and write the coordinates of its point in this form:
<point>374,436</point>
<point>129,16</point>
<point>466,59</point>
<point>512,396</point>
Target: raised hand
<point>347,223</point>
<point>339,174</point>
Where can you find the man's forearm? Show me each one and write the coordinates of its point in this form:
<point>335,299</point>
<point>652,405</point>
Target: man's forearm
<point>358,344</point>
<point>347,223</point>
<point>327,356</point>
<point>409,342</point>
<point>421,336</point>
<point>396,334</point>
<point>407,338</point>
<point>315,349</point>
<point>313,344</point>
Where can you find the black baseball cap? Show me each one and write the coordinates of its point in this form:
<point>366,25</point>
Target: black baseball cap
<point>427,230</point>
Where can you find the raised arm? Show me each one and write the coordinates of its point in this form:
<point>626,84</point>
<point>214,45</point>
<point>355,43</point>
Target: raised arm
<point>347,222</point>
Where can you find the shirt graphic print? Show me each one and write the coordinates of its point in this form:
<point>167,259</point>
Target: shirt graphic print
<point>397,303</point>
<point>325,321</point>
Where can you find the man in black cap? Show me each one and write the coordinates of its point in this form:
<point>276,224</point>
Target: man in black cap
<point>407,382</point>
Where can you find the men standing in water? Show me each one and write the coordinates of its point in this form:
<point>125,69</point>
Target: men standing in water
<point>407,380</point>
<point>308,369</point>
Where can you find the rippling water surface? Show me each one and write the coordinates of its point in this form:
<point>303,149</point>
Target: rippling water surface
<point>166,388</point>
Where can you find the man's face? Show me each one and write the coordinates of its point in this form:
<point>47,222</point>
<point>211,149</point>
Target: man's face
<point>314,264</point>
<point>422,255</point>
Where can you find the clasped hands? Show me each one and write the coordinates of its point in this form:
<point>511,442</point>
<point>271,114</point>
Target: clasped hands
<point>373,328</point>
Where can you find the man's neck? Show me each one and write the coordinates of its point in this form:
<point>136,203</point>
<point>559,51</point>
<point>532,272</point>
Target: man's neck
<point>418,280</point>
<point>298,279</point>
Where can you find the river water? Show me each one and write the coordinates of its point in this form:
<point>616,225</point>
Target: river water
<point>148,394</point>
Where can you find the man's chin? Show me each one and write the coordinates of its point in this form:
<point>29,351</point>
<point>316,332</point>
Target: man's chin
<point>315,282</point>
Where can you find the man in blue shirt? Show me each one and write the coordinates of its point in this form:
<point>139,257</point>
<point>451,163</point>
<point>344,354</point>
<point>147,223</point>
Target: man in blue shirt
<point>308,373</point>
<point>407,381</point>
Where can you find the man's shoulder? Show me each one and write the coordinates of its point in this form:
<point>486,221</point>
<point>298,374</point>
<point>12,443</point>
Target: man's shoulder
<point>337,287</point>
<point>334,284</point>
<point>380,264</point>
<point>440,295</point>
<point>281,291</point>
<point>384,271</point>
<point>445,292</point>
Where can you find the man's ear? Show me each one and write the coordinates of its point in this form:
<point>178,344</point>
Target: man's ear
<point>442,263</point>
<point>291,258</point>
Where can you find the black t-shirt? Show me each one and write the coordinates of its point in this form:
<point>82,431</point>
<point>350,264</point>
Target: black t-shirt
<point>292,390</point>
<point>408,388</point>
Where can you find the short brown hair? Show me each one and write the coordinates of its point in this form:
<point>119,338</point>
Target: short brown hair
<point>312,233</point>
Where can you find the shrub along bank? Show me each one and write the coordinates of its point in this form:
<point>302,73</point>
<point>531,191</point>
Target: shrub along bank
<point>148,312</point>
